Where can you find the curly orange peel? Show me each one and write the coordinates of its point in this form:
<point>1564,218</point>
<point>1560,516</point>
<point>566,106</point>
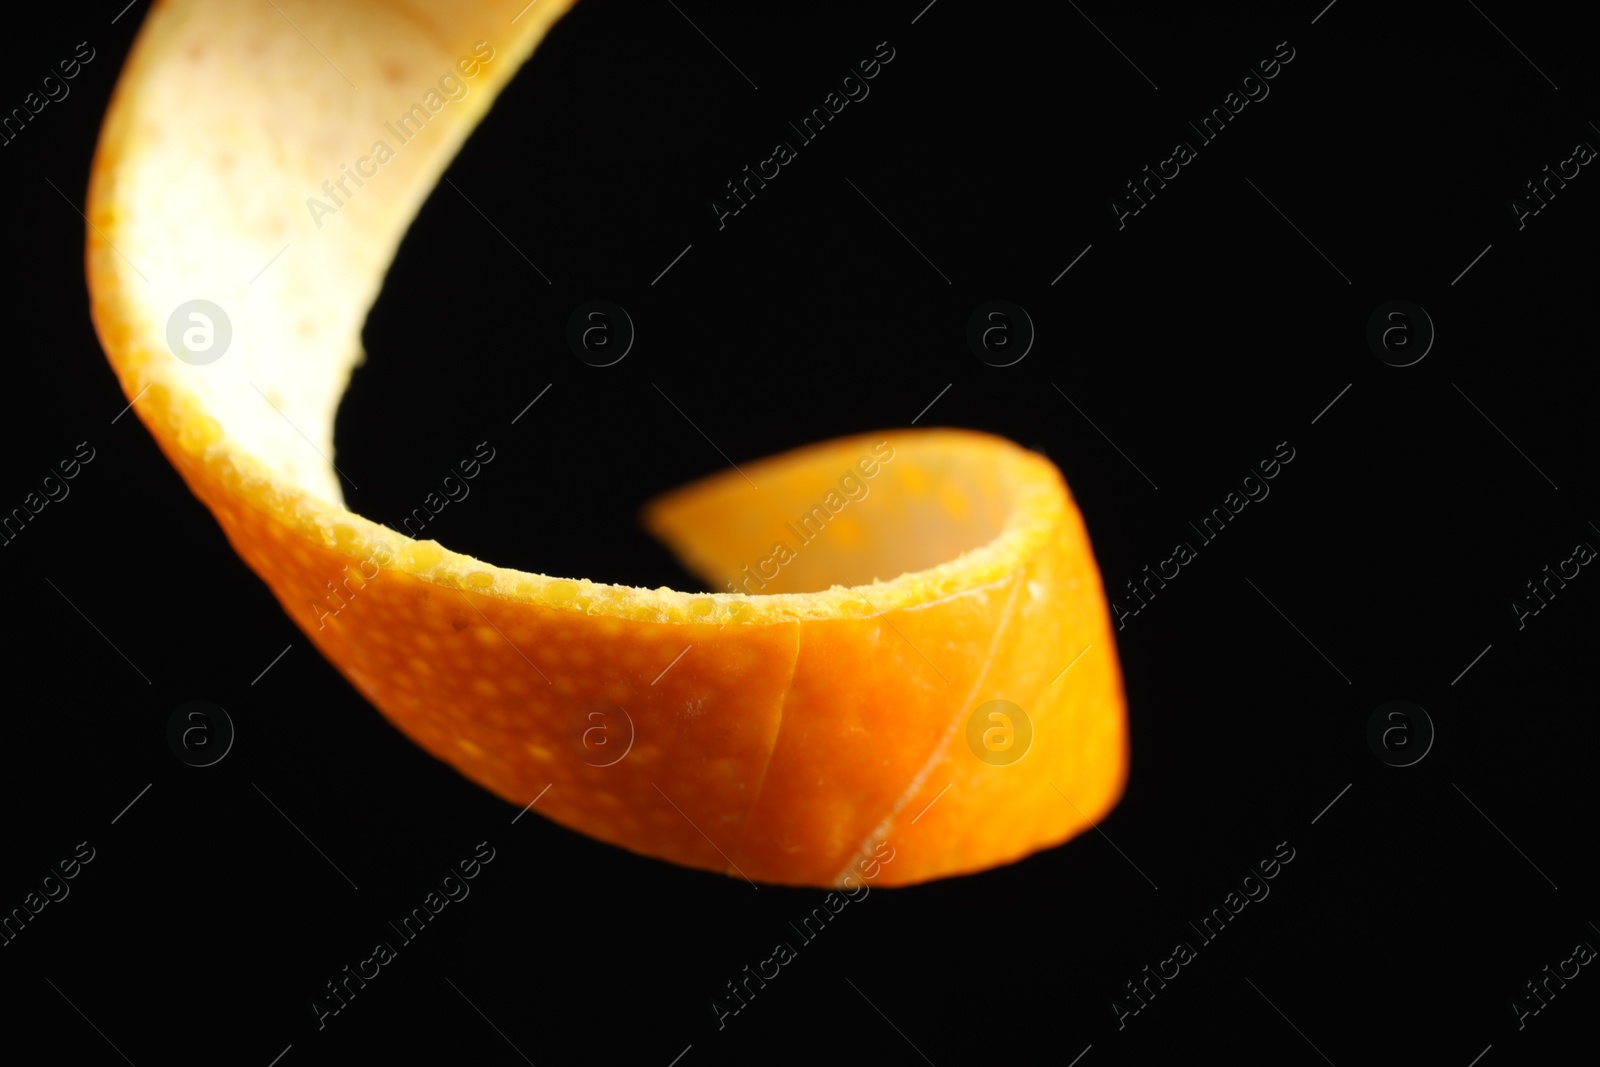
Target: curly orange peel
<point>781,735</point>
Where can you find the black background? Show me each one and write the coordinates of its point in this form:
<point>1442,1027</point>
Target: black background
<point>1196,338</point>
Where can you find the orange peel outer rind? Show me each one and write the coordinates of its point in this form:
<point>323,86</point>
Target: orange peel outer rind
<point>784,737</point>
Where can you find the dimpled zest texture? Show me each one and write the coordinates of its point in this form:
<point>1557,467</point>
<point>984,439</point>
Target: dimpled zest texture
<point>781,732</point>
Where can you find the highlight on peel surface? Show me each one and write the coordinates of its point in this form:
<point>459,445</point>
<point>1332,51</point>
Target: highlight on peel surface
<point>906,669</point>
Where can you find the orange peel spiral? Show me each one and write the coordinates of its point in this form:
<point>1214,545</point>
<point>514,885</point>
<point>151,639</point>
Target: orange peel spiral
<point>783,735</point>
